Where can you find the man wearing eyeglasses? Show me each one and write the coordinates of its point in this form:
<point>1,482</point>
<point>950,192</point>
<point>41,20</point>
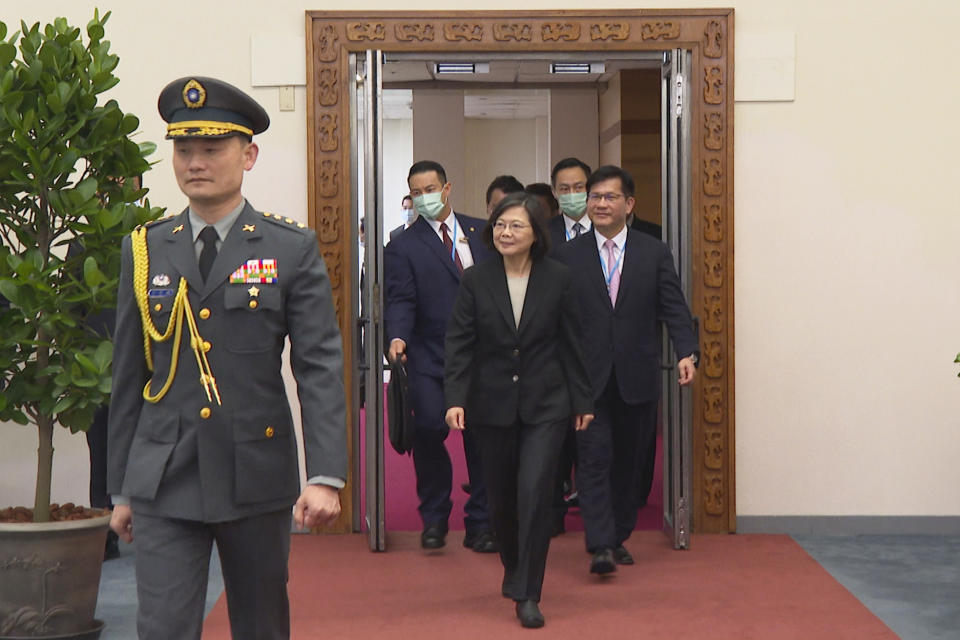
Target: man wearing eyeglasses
<point>626,285</point>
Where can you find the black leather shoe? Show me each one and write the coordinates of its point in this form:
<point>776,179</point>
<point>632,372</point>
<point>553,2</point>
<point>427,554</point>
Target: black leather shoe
<point>603,562</point>
<point>529,614</point>
<point>481,542</point>
<point>622,556</point>
<point>434,536</point>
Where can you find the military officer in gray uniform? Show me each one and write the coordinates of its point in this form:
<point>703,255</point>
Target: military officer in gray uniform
<point>201,438</point>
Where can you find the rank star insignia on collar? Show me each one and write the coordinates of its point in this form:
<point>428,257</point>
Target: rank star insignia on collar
<point>250,227</point>
<point>253,291</point>
<point>178,228</point>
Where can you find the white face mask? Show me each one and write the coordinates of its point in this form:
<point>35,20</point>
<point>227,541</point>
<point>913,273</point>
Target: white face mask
<point>409,215</point>
<point>429,205</point>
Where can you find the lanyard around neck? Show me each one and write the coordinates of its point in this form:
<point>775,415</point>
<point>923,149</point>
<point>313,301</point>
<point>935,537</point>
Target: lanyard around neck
<point>453,237</point>
<point>603,265</point>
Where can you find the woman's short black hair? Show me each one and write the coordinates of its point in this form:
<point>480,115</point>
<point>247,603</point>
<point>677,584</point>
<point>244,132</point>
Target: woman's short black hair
<point>538,222</point>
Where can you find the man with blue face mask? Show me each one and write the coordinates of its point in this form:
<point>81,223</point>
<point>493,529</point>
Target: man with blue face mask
<point>409,215</point>
<point>422,269</point>
<point>569,179</point>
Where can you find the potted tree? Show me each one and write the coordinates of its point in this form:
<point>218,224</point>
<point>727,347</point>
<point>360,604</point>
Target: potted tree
<point>67,169</point>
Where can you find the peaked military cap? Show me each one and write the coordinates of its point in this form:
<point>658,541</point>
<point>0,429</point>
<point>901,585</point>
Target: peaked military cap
<point>198,107</point>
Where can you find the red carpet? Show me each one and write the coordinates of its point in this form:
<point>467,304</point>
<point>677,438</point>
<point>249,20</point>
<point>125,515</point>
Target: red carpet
<point>400,490</point>
<point>759,587</point>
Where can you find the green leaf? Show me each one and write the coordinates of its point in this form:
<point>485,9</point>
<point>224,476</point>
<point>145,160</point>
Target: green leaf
<point>86,189</point>
<point>95,30</point>
<point>103,356</point>
<point>10,291</point>
<point>64,403</point>
<point>92,275</point>
<point>86,362</point>
<point>7,52</point>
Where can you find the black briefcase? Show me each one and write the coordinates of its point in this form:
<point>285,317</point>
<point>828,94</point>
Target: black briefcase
<point>399,409</point>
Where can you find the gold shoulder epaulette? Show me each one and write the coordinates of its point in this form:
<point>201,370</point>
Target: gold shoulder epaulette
<point>166,218</point>
<point>283,221</point>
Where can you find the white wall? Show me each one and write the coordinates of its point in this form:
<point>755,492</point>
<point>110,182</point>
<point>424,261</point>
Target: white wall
<point>846,226</point>
<point>494,148</point>
<point>397,158</point>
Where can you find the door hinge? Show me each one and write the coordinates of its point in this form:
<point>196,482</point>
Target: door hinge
<point>679,101</point>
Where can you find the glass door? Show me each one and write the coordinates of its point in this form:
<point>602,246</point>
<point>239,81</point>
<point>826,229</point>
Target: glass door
<point>367,198</point>
<point>676,404</point>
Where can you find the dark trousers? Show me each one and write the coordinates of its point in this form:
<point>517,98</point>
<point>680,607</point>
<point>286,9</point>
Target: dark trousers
<point>97,443</point>
<point>431,461</point>
<point>611,453</point>
<point>173,561</point>
<point>520,464</point>
<point>564,475</point>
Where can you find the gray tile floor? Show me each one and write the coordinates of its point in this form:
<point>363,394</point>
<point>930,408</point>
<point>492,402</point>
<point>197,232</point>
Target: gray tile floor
<point>912,583</point>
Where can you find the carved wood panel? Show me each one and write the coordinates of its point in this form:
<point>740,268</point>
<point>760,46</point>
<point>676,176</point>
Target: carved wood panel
<point>707,33</point>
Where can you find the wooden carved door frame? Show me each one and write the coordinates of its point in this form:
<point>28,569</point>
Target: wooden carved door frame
<point>706,33</point>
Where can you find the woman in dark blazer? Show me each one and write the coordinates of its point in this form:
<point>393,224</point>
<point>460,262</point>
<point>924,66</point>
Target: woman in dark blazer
<point>514,375</point>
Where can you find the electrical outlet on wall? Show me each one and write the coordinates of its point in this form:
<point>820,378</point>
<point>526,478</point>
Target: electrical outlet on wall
<point>287,98</point>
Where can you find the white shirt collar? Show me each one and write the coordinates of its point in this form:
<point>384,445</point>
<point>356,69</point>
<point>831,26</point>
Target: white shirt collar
<point>620,239</point>
<point>568,222</point>
<point>454,229</point>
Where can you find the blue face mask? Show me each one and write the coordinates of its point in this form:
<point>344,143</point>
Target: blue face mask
<point>429,205</point>
<point>409,215</point>
<point>573,204</point>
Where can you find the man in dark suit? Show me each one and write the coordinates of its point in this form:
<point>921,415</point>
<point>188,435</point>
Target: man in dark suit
<point>213,458</point>
<point>409,216</point>
<point>422,270</point>
<point>569,179</point>
<point>627,285</point>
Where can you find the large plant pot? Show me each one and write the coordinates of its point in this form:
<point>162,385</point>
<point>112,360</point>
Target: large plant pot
<point>49,578</point>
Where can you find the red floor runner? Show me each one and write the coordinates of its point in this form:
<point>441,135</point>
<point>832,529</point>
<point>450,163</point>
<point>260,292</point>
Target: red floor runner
<point>759,587</point>
<point>400,490</point>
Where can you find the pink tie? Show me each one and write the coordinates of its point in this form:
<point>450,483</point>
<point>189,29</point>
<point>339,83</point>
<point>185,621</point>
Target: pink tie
<point>613,275</point>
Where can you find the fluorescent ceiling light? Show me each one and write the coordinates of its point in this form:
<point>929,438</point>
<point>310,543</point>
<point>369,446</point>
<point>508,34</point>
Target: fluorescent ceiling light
<point>461,67</point>
<point>577,67</point>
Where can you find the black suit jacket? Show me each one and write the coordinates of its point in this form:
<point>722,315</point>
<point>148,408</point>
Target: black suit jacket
<point>498,371</point>
<point>624,338</point>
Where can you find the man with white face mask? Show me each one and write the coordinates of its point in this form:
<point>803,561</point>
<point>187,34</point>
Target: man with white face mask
<point>569,179</point>
<point>422,270</point>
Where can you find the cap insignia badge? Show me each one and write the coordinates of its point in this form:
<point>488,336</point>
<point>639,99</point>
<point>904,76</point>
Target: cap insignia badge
<point>194,95</point>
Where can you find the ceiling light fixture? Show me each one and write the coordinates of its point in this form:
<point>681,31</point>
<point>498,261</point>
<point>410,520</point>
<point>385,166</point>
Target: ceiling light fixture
<point>577,67</point>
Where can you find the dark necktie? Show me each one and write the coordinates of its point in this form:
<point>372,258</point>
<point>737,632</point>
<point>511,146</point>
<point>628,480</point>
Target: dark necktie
<point>209,252</point>
<point>448,243</point>
<point>577,229</point>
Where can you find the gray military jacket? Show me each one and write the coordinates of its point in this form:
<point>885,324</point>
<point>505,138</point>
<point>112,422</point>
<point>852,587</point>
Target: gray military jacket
<point>186,457</point>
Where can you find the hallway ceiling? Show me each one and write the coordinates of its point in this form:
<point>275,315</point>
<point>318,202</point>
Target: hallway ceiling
<point>511,85</point>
